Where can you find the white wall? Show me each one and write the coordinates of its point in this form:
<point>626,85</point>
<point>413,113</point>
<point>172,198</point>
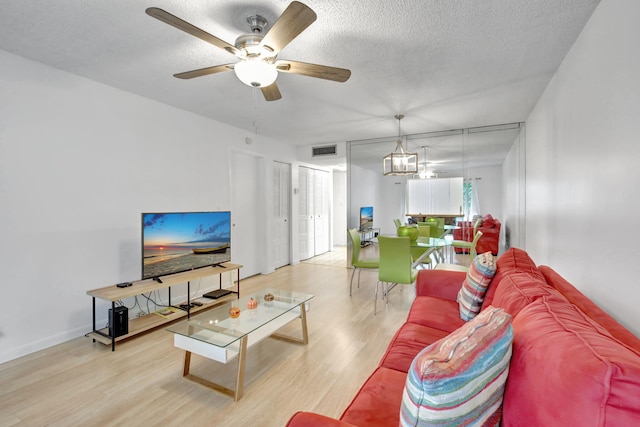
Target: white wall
<point>384,193</point>
<point>390,202</point>
<point>79,162</point>
<point>339,208</point>
<point>362,187</point>
<point>514,195</point>
<point>487,181</point>
<point>582,169</point>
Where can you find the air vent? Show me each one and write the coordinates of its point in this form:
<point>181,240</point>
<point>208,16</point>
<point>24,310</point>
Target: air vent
<point>327,150</point>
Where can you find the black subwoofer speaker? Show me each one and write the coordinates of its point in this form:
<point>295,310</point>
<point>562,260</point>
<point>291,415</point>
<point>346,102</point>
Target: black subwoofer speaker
<point>118,322</point>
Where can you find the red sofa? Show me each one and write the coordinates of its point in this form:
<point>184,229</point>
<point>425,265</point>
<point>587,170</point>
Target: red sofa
<point>488,242</point>
<point>572,363</point>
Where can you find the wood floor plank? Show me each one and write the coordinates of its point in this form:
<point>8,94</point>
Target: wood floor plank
<point>83,383</point>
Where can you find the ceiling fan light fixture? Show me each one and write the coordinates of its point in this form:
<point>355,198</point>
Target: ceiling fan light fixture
<point>256,72</point>
<point>257,52</point>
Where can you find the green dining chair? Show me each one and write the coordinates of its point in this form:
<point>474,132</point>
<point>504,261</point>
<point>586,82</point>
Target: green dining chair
<point>433,226</point>
<point>437,226</point>
<point>437,230</point>
<point>463,244</point>
<point>472,255</point>
<point>472,251</point>
<point>395,266</point>
<point>397,222</point>
<point>441,231</point>
<point>416,251</point>
<point>357,263</point>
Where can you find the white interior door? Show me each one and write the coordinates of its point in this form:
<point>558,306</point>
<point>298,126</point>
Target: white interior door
<point>246,202</point>
<point>321,211</point>
<point>305,213</point>
<point>281,214</point>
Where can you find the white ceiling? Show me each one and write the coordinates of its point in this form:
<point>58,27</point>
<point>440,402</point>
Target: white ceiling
<point>444,64</point>
<point>446,154</point>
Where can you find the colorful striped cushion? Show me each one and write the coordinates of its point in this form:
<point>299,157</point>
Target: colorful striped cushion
<point>474,286</point>
<point>460,379</point>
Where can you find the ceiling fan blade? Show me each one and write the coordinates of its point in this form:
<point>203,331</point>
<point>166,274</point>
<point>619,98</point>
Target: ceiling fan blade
<point>271,92</point>
<point>293,21</point>
<point>178,23</point>
<point>313,70</point>
<point>204,71</point>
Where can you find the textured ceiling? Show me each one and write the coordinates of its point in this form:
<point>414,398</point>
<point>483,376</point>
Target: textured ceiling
<point>445,64</point>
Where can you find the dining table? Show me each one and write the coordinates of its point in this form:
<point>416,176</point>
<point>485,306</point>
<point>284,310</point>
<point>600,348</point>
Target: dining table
<point>435,246</point>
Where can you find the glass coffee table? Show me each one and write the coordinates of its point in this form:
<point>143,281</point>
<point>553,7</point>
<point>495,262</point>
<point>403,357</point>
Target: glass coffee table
<point>218,336</point>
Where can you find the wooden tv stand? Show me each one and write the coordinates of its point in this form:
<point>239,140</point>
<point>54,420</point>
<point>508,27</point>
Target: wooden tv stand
<point>152,320</point>
<point>367,236</point>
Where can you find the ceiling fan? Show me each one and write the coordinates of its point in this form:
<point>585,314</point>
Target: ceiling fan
<point>258,65</point>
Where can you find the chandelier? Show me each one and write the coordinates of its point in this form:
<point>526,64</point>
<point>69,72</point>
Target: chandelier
<point>423,170</point>
<point>400,162</point>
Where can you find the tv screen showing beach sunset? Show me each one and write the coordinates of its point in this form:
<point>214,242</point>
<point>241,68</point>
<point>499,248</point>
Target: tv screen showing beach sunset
<point>180,241</point>
<point>366,217</point>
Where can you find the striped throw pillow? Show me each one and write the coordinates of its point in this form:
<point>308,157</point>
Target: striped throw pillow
<point>474,286</point>
<point>460,379</point>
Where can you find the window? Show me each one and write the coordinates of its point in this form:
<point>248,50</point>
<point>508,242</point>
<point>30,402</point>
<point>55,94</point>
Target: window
<point>435,196</point>
<point>470,202</point>
<point>467,196</point>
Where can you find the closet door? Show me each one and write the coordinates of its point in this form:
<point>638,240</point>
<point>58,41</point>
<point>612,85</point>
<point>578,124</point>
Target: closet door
<point>321,211</point>
<point>281,214</point>
<point>306,216</point>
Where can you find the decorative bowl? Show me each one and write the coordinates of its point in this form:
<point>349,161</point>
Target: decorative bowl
<point>411,232</point>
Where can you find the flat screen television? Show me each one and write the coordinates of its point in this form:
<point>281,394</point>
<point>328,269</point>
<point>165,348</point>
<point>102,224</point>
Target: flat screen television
<point>366,217</point>
<point>173,242</point>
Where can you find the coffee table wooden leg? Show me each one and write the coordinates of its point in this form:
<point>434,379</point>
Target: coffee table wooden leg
<point>303,319</point>
<point>235,394</point>
<point>242,358</point>
<point>305,334</point>
<point>187,363</point>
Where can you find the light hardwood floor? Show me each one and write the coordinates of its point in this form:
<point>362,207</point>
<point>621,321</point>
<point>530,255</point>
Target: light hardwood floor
<point>83,383</point>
